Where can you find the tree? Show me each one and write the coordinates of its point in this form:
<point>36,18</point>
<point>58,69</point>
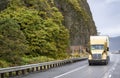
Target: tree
<point>44,36</point>
<point>12,41</point>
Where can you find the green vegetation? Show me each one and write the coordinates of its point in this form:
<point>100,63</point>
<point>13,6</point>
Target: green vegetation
<point>30,34</point>
<point>34,31</point>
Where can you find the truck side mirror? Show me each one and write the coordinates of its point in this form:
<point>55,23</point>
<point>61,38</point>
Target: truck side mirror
<point>107,48</point>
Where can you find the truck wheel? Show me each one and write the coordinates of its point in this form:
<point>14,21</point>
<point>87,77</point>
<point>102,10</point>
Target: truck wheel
<point>90,63</point>
<point>106,62</point>
<point>108,59</point>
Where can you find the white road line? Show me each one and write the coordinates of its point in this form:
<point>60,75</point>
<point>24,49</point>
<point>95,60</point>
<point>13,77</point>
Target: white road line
<point>110,76</point>
<point>71,71</point>
<point>110,71</point>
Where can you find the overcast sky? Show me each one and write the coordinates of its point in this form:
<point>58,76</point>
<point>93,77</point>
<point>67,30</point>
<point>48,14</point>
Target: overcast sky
<point>106,14</point>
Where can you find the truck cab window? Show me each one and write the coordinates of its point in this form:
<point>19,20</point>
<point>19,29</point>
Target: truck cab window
<point>97,47</point>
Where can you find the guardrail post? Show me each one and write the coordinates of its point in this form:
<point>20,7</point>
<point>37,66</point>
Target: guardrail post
<point>2,75</point>
<point>17,73</point>
<point>33,69</point>
<point>40,67</point>
<point>36,68</point>
<point>28,70</point>
<point>50,65</point>
<point>10,74</point>
<point>44,67</point>
<point>23,72</point>
<point>58,64</point>
<point>53,65</point>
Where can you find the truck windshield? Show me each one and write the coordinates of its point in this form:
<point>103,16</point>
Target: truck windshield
<point>97,47</point>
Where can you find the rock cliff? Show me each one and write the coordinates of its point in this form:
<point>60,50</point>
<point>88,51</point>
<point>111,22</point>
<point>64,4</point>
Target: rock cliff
<point>78,19</point>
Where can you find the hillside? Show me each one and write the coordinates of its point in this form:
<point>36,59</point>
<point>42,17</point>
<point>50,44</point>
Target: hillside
<point>115,43</point>
<point>33,31</point>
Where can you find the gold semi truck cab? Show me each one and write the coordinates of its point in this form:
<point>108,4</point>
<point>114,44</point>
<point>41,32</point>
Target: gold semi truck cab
<point>99,47</point>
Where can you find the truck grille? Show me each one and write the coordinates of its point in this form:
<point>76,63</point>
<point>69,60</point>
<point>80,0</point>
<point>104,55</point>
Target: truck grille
<point>97,56</point>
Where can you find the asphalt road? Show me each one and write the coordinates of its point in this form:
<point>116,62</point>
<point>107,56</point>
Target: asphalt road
<point>82,70</point>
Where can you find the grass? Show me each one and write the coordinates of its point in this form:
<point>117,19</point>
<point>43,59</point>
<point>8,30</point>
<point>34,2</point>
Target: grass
<point>33,60</point>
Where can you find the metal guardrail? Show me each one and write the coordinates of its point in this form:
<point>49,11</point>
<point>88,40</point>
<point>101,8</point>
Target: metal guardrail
<point>26,69</point>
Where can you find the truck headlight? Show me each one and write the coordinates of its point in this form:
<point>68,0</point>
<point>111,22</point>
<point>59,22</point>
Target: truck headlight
<point>90,57</point>
<point>104,55</point>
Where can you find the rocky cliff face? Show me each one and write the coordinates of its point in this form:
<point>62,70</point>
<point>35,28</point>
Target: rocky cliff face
<point>3,4</point>
<point>78,19</point>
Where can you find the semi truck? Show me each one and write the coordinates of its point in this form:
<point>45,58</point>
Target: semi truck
<point>99,50</point>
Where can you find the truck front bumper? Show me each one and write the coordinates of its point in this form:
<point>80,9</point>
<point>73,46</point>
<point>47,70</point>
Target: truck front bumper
<point>94,61</point>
